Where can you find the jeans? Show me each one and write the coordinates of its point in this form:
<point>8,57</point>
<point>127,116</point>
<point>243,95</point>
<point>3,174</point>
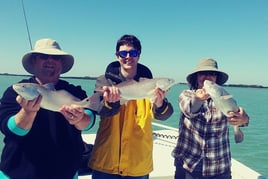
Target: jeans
<point>181,173</point>
<point>101,175</point>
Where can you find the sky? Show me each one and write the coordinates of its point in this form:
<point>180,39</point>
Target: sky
<point>175,34</point>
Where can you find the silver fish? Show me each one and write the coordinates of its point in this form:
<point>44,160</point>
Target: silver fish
<point>53,100</point>
<point>225,103</point>
<point>144,88</point>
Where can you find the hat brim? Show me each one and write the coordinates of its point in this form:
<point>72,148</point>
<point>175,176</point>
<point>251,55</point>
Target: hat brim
<point>222,77</point>
<point>67,59</point>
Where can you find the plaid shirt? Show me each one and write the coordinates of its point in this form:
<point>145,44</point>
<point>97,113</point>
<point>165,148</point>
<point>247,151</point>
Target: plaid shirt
<point>203,135</point>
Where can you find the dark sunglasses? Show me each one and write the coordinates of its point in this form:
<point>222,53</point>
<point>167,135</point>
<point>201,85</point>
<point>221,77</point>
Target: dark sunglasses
<point>208,73</point>
<point>45,57</point>
<point>123,53</point>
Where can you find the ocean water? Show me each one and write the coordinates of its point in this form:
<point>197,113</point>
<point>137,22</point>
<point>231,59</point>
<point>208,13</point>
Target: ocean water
<point>253,151</point>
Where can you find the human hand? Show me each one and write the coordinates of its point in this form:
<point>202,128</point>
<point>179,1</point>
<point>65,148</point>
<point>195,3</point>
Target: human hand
<point>160,96</point>
<point>29,108</point>
<point>29,105</point>
<point>238,118</point>
<point>201,94</point>
<point>111,93</point>
<point>72,113</point>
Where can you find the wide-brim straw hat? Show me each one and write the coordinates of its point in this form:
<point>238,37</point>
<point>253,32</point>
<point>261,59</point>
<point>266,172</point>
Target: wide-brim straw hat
<point>208,64</point>
<point>49,47</point>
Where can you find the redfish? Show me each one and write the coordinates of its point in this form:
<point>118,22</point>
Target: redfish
<point>54,99</point>
<point>144,88</point>
<point>225,103</point>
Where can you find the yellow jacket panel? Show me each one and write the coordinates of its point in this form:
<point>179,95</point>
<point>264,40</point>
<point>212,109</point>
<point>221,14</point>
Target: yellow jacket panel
<point>124,141</point>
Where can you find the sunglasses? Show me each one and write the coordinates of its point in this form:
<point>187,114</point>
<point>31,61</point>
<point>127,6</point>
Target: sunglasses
<point>123,53</point>
<point>45,57</point>
<point>208,73</point>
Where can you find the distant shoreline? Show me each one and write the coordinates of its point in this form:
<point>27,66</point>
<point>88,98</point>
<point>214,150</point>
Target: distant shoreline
<point>94,78</point>
<point>70,77</point>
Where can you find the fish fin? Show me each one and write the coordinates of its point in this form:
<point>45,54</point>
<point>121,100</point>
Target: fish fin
<point>93,102</point>
<point>152,95</point>
<point>123,101</point>
<point>49,86</point>
<point>226,97</point>
<point>143,78</point>
<point>126,83</point>
<point>152,99</point>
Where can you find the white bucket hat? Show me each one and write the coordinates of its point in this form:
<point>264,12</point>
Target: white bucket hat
<point>208,64</point>
<point>49,47</point>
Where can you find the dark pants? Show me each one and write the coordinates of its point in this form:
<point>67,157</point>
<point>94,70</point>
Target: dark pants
<point>100,175</point>
<point>181,173</point>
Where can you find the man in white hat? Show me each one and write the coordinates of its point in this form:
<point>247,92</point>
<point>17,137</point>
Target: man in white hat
<point>203,149</point>
<point>40,143</point>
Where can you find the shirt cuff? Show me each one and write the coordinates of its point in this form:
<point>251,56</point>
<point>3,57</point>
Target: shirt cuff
<point>3,176</point>
<point>91,121</point>
<point>12,126</point>
<point>163,109</point>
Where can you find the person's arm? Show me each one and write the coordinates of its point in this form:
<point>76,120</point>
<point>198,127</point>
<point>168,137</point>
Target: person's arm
<point>189,103</point>
<point>162,109</point>
<point>25,117</point>
<point>163,112</point>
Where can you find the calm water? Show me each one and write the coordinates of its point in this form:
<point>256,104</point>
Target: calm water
<point>253,151</point>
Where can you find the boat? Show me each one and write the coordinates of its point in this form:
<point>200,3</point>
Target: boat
<point>164,141</point>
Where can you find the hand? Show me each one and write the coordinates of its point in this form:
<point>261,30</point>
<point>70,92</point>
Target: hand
<point>160,96</point>
<point>26,116</point>
<point>31,105</point>
<point>201,94</point>
<point>73,113</point>
<point>238,118</point>
<point>111,94</point>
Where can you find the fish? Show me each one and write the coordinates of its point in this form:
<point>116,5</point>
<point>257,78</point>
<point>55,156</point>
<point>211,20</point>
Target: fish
<point>225,103</point>
<point>53,99</point>
<point>144,88</point>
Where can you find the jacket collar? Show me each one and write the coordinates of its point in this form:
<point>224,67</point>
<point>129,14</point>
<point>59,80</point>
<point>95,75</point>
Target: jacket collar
<point>113,72</point>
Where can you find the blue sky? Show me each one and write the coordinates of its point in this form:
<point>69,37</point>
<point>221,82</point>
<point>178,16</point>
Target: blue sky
<point>175,34</point>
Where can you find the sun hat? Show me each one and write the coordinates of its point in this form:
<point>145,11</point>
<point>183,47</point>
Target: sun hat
<point>208,64</point>
<point>49,47</point>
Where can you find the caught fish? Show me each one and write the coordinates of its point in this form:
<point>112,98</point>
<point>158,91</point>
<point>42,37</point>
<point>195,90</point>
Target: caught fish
<point>53,100</point>
<point>144,88</point>
<point>225,103</point>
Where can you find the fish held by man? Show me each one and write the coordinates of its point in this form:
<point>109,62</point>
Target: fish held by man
<point>53,100</point>
<point>144,88</point>
<point>225,103</point>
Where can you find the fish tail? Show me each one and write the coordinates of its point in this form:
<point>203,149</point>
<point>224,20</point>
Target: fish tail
<point>94,102</point>
<point>239,136</point>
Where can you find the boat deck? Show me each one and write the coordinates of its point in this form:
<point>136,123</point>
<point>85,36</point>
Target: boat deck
<point>164,142</point>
